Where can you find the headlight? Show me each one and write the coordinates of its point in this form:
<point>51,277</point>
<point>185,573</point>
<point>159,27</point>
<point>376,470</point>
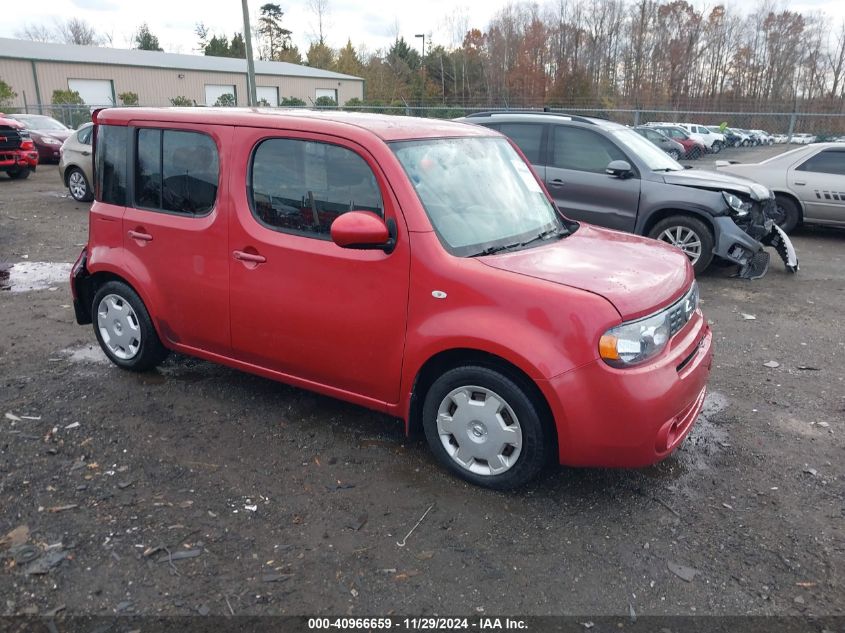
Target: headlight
<point>637,341</point>
<point>739,208</point>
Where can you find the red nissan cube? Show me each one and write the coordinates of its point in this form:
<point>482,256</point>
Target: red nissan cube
<point>413,266</point>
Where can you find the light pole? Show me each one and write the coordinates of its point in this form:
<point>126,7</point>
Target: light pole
<point>422,35</point>
<point>250,64</point>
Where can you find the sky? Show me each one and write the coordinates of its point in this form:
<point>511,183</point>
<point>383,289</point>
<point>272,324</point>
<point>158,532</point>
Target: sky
<point>371,24</point>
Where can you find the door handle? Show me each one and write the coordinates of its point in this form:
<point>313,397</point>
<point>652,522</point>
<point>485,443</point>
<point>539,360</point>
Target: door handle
<point>144,237</point>
<point>253,258</point>
<point>800,182</point>
<point>557,182</point>
<point>85,153</point>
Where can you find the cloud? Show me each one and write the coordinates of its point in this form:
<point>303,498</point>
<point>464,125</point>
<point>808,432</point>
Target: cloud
<point>96,5</point>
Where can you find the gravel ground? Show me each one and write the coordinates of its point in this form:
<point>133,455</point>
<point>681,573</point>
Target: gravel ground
<point>198,489</point>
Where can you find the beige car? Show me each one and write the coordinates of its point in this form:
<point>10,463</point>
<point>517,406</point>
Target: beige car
<point>808,183</point>
<point>75,165</point>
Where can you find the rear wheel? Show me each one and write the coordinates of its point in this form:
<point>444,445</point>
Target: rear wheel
<point>788,216</point>
<point>717,147</point>
<point>77,185</point>
<point>690,235</point>
<point>124,329</point>
<point>486,428</point>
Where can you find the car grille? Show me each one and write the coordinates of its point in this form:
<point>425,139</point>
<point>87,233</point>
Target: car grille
<point>682,311</point>
<point>10,138</point>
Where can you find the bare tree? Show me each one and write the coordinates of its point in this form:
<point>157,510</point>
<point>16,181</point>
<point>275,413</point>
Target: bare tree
<point>77,31</point>
<point>320,9</point>
<point>36,33</point>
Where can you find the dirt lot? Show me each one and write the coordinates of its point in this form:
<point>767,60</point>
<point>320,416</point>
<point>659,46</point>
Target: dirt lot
<point>284,502</point>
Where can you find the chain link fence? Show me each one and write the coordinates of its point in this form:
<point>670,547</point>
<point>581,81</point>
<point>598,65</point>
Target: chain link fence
<point>822,126</point>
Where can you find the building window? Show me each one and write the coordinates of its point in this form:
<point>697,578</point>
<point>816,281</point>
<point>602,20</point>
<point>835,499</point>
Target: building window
<point>324,94</point>
<point>268,94</point>
<point>220,95</point>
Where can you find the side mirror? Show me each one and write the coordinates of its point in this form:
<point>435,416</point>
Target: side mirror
<point>364,230</point>
<point>619,169</point>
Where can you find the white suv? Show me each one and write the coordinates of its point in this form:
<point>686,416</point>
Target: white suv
<point>712,141</point>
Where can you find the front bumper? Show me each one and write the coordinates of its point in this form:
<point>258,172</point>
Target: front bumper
<point>743,241</point>
<point>632,417</point>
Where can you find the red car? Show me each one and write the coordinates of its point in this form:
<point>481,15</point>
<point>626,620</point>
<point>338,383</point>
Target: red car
<point>18,156</point>
<point>692,148</point>
<point>47,133</point>
<point>413,266</point>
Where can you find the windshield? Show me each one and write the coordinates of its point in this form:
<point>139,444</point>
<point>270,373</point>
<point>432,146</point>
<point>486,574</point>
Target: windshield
<point>654,157</point>
<point>479,194</point>
<point>39,122</point>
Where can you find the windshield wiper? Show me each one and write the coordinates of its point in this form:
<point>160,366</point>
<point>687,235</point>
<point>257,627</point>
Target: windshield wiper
<point>543,235</point>
<point>666,169</point>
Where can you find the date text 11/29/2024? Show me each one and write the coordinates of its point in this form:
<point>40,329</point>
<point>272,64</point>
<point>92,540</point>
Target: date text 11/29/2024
<point>418,624</point>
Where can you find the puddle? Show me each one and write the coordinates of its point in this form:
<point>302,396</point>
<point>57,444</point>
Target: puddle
<point>86,354</point>
<point>27,276</point>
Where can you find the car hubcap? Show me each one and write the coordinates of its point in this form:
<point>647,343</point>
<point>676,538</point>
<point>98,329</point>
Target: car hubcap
<point>685,239</point>
<point>119,327</point>
<point>479,430</point>
<point>76,184</point>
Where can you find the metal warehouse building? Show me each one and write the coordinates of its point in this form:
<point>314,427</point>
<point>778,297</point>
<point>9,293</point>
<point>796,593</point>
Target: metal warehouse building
<point>35,69</point>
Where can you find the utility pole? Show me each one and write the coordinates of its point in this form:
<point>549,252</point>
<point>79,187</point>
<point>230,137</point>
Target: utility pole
<point>250,64</point>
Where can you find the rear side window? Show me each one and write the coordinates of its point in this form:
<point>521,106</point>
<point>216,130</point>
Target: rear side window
<point>528,136</point>
<point>176,171</point>
<point>84,135</point>
<point>111,164</point>
<point>827,162</point>
<point>582,150</point>
<point>302,186</point>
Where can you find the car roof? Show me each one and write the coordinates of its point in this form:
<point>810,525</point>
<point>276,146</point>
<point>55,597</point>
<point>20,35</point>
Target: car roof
<point>386,127</point>
<point>533,115</point>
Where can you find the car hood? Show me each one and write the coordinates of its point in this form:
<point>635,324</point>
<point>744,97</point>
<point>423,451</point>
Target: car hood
<point>637,275</point>
<point>716,181</point>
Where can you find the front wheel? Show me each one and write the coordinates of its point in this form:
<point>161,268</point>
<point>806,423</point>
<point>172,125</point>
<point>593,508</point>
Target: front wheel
<point>674,154</point>
<point>689,234</point>
<point>19,174</point>
<point>787,216</point>
<point>124,329</point>
<point>486,428</point>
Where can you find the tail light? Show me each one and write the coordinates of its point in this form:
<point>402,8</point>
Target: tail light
<point>27,144</point>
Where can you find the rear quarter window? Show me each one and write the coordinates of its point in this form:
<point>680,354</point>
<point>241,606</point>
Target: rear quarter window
<point>111,167</point>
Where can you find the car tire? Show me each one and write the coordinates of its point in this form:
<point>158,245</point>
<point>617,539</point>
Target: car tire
<point>78,185</point>
<point>790,214</point>
<point>124,329</point>
<point>717,147</point>
<point>695,153</point>
<point>690,235</point>
<point>19,174</point>
<point>511,431</point>
<point>674,154</point>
